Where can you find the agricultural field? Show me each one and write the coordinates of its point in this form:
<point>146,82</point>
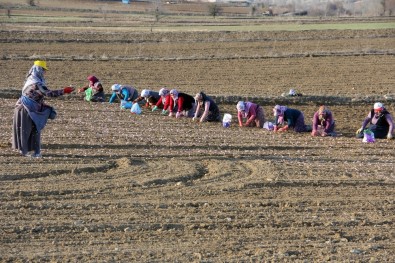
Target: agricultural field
<point>118,187</point>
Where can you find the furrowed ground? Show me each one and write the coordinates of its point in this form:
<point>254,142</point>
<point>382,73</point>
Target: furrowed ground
<point>113,186</point>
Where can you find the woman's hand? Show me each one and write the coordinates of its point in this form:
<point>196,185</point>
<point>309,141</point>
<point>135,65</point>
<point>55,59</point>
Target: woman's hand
<point>68,89</point>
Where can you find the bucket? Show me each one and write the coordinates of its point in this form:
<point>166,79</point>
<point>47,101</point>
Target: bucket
<point>226,120</point>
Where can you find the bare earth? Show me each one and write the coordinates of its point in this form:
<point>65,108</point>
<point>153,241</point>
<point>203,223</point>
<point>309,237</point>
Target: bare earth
<point>117,187</point>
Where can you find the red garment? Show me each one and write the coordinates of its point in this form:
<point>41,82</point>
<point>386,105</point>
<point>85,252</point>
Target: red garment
<point>167,103</point>
<point>184,102</point>
<point>251,114</point>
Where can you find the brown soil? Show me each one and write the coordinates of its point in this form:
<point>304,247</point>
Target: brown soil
<point>117,187</point>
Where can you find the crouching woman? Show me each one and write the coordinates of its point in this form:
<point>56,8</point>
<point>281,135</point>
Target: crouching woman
<point>251,112</point>
<point>323,122</point>
<point>287,118</point>
<point>382,123</point>
<point>209,108</point>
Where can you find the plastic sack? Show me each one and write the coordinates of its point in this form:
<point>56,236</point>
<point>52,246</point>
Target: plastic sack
<point>226,120</point>
<point>126,104</point>
<point>268,126</point>
<point>88,94</point>
<point>135,109</point>
<point>53,114</point>
<point>368,136</point>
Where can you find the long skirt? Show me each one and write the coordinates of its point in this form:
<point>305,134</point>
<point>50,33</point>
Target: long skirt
<point>330,131</point>
<point>98,97</point>
<point>259,119</point>
<point>300,126</point>
<point>189,112</point>
<point>214,116</point>
<point>25,136</point>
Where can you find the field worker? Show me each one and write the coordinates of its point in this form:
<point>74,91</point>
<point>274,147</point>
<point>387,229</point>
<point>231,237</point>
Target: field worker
<point>323,122</point>
<point>251,112</point>
<point>150,97</point>
<point>294,119</point>
<point>382,123</point>
<point>185,104</point>
<point>164,101</point>
<point>31,113</point>
<point>125,94</point>
<point>94,90</point>
<point>208,106</point>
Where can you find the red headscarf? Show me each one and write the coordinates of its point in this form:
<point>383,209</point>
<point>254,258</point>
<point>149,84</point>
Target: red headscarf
<point>93,79</point>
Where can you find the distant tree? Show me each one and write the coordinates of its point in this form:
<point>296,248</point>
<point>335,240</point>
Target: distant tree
<point>31,2</point>
<point>388,7</point>
<point>214,9</point>
<point>9,12</point>
<point>270,11</point>
<point>391,7</point>
<point>103,10</point>
<point>334,8</point>
<point>158,13</point>
<point>254,10</point>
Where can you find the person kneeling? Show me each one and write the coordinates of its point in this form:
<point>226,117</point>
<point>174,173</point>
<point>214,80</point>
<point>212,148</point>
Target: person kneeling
<point>382,124</point>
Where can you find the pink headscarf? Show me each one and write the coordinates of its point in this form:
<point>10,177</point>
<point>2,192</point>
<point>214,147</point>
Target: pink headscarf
<point>93,79</point>
<point>278,111</point>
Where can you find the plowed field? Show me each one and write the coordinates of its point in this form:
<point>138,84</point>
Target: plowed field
<point>117,187</point>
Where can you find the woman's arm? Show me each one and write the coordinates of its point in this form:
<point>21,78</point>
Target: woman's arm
<point>113,97</point>
<point>206,111</point>
<point>252,113</point>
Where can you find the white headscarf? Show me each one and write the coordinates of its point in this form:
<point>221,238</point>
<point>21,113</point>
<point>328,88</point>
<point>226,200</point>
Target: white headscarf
<point>163,92</point>
<point>35,76</point>
<point>145,93</point>
<point>241,106</point>
<point>175,93</point>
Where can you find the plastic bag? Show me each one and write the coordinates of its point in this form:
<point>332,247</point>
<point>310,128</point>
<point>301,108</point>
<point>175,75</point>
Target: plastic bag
<point>368,136</point>
<point>226,120</point>
<point>135,109</point>
<point>126,104</point>
<point>88,94</point>
<point>53,114</point>
<point>268,126</point>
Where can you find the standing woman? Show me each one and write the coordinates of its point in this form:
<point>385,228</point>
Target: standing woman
<point>252,112</point>
<point>31,113</point>
<point>208,106</point>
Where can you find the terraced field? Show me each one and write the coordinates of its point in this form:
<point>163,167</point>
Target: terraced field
<point>118,187</point>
